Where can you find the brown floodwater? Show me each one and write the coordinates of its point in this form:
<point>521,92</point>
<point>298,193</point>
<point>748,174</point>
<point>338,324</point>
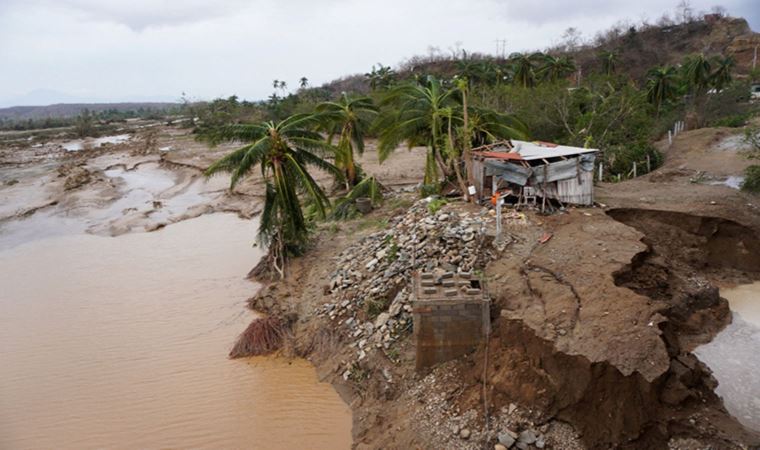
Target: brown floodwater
<point>121,343</point>
<point>734,358</point>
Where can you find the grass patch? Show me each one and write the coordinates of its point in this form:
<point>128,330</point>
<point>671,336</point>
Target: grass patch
<point>436,204</point>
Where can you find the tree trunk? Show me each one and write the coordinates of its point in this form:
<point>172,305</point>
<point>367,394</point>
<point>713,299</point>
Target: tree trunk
<point>467,142</point>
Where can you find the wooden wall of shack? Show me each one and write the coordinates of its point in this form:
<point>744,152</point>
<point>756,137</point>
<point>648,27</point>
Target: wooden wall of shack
<point>578,190</point>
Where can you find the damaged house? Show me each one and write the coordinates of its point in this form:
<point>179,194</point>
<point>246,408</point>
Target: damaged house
<point>530,170</point>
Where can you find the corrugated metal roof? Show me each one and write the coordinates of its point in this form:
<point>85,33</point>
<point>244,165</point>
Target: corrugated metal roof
<point>527,151</point>
<point>541,150</point>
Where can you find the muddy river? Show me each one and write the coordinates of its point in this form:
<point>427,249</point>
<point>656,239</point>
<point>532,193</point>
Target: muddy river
<point>734,358</point>
<point>121,342</point>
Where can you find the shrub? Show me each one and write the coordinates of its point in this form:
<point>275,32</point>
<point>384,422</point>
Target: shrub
<point>619,159</point>
<point>733,121</point>
<point>751,179</point>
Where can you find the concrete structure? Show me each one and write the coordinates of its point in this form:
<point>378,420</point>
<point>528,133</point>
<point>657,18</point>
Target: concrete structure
<point>540,169</point>
<point>451,316</point>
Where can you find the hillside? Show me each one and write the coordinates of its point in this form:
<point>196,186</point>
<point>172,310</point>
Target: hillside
<point>639,48</point>
<point>60,110</point>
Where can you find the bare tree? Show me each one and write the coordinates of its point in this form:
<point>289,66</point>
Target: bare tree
<point>719,10</point>
<point>685,11</point>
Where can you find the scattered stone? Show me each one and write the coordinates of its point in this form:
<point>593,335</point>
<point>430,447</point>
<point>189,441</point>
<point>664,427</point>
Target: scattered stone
<point>464,434</point>
<point>380,265</point>
<point>381,320</point>
<point>527,436</point>
<point>506,439</point>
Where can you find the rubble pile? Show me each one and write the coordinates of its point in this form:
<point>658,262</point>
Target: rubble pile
<point>370,288</point>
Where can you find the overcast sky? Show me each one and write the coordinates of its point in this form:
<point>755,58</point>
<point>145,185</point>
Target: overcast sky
<point>111,50</point>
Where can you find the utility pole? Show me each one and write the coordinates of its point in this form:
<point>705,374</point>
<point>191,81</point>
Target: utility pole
<point>754,59</point>
<point>501,47</point>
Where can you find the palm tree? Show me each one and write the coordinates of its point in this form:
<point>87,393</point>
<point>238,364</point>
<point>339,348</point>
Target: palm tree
<point>698,71</point>
<point>555,68</point>
<point>381,77</point>
<point>661,86</point>
<point>417,119</point>
<point>426,114</point>
<point>303,82</point>
<point>523,69</point>
<point>349,118</point>
<point>721,77</point>
<point>609,60</point>
<point>469,69</point>
<point>283,150</point>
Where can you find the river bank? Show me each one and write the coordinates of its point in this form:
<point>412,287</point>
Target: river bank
<point>112,336</point>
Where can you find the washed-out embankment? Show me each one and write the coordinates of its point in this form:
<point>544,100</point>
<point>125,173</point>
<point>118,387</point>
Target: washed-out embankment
<point>594,328</point>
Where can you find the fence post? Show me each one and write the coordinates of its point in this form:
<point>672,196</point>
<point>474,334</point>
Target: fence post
<point>670,137</point>
<point>601,169</point>
<point>649,164</point>
<point>634,169</point>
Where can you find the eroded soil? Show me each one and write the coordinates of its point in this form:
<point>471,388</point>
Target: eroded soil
<point>592,329</point>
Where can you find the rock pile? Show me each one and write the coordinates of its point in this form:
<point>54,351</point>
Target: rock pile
<point>370,287</point>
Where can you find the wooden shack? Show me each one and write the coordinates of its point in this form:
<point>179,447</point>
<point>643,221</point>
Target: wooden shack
<point>535,169</point>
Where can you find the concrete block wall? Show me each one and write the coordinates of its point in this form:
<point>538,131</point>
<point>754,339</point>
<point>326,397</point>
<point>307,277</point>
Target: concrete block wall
<point>447,325</point>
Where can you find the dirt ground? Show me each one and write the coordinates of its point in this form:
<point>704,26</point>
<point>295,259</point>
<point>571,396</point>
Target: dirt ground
<point>151,179</point>
<point>592,329</point>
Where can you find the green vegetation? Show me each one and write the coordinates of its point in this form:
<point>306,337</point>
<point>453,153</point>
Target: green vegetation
<point>427,114</point>
<point>751,179</point>
<point>349,119</point>
<point>752,139</point>
<point>573,94</point>
<point>72,116</point>
<point>283,150</point>
<point>436,204</point>
<point>345,207</point>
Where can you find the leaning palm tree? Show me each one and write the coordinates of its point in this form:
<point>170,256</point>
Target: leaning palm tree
<point>417,118</point>
<point>283,151</point>
<point>661,86</point>
<point>427,114</point>
<point>721,77</point>
<point>554,68</point>
<point>350,119</point>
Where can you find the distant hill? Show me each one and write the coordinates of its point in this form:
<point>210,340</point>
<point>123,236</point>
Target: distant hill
<point>639,48</point>
<point>63,110</point>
